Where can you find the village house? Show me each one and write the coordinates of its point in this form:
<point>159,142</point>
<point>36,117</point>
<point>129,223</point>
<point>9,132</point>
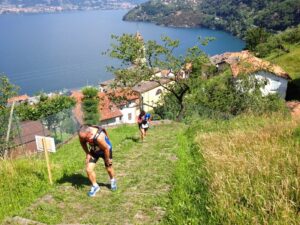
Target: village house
<point>18,99</point>
<point>151,92</point>
<point>129,104</point>
<point>276,79</point>
<point>111,113</point>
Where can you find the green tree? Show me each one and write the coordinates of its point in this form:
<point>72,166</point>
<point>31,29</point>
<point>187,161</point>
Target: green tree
<point>255,36</point>
<point>7,90</point>
<point>140,60</point>
<point>90,105</point>
<point>52,111</point>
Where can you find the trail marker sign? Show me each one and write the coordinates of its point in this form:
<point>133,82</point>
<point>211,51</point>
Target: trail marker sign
<point>49,144</point>
<point>46,144</point>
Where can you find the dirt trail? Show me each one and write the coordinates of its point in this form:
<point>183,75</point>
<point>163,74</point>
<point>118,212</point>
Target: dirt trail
<point>143,174</point>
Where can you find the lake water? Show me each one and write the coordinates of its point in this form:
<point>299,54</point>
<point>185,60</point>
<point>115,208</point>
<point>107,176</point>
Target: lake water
<point>48,52</point>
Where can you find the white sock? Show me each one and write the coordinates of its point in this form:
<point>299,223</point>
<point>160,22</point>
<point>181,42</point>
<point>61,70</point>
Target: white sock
<point>96,185</point>
<point>112,180</point>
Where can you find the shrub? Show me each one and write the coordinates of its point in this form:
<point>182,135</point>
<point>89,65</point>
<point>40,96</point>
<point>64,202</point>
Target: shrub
<point>90,105</point>
<point>224,96</point>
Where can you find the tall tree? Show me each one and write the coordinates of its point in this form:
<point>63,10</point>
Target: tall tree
<point>90,105</point>
<point>255,36</point>
<point>140,60</point>
<point>7,90</point>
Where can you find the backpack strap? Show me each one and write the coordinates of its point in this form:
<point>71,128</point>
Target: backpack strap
<point>99,131</point>
<point>97,135</point>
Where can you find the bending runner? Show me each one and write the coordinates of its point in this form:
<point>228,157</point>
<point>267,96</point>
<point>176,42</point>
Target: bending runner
<point>96,144</point>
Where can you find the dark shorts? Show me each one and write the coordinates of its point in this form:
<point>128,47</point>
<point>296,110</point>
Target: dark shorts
<point>99,154</point>
<point>140,127</point>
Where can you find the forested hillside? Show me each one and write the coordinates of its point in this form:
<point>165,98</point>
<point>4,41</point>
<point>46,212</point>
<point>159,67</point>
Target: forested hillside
<point>235,16</point>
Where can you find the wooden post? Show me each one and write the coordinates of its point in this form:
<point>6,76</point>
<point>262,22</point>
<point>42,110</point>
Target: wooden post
<point>8,129</point>
<point>47,159</point>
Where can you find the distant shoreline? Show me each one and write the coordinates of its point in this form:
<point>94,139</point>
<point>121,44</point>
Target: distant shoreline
<point>5,10</point>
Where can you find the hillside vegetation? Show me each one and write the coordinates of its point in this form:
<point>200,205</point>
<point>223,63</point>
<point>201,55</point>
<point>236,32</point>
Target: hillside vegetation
<point>235,16</point>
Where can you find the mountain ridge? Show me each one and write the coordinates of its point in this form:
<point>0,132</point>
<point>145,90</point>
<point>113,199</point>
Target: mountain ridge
<point>235,16</point>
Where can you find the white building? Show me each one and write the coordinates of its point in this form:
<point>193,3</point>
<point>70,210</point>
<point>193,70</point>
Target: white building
<point>273,76</point>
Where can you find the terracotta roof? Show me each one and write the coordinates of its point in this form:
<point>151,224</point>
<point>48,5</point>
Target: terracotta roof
<point>107,109</point>
<point>127,93</point>
<point>245,63</point>
<point>20,98</point>
<point>149,85</point>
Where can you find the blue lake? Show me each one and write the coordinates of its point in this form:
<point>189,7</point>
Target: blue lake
<point>48,52</point>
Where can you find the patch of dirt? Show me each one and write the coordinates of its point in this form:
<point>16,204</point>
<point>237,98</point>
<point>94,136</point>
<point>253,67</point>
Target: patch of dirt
<point>21,221</point>
<point>294,107</point>
<point>141,216</point>
<point>48,199</point>
<point>173,158</point>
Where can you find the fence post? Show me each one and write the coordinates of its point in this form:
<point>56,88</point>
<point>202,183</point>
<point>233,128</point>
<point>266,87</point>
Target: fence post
<point>8,129</point>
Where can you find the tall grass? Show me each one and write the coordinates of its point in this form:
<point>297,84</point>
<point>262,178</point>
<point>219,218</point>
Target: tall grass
<point>24,180</point>
<point>189,197</point>
<point>253,165</point>
<point>21,182</point>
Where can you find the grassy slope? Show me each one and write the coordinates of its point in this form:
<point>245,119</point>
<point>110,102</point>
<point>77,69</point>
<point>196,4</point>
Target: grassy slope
<point>239,171</point>
<point>289,62</point>
<point>143,171</point>
<point>253,165</point>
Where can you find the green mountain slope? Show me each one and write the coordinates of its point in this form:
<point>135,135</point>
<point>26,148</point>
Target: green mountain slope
<point>235,16</point>
<point>289,61</point>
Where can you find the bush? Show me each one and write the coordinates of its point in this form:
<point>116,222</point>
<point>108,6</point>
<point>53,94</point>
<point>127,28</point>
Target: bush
<point>169,109</point>
<point>90,92</point>
<point>224,96</point>
<point>90,105</point>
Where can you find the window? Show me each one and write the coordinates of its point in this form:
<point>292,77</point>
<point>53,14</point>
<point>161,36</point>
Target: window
<point>158,92</point>
<point>129,116</point>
